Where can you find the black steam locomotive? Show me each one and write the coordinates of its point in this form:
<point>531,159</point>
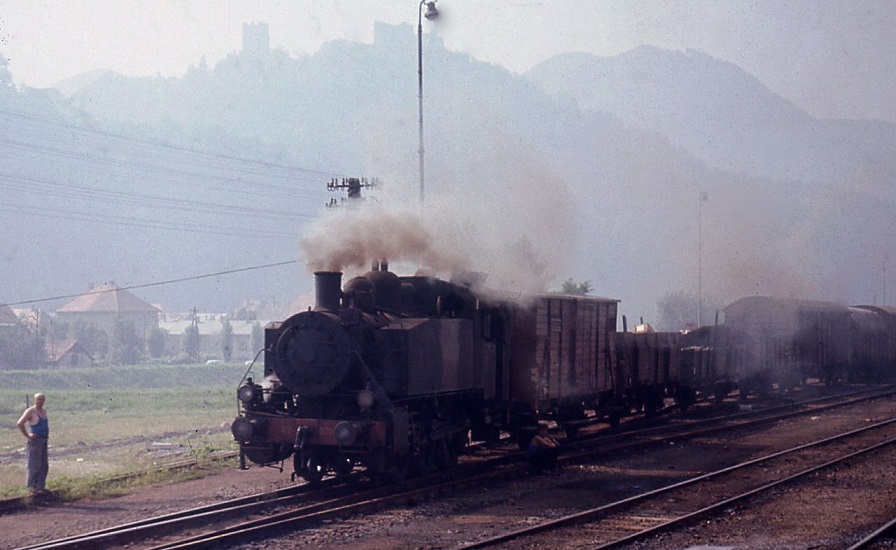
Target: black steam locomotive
<point>390,374</point>
<point>396,374</point>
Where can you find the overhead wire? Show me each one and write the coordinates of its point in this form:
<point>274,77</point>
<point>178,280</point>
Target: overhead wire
<point>85,129</point>
<point>159,283</point>
<point>228,173</point>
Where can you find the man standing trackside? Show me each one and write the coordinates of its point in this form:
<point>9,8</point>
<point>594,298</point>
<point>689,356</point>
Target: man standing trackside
<point>38,434</point>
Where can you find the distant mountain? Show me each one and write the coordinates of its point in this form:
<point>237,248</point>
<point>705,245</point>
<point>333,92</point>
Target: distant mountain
<point>716,111</point>
<point>585,167</point>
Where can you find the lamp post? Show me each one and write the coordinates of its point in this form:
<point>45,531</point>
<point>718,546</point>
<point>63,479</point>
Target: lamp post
<point>431,14</point>
<point>703,198</point>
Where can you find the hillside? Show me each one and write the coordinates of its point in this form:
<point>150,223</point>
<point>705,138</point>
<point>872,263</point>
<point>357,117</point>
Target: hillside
<point>596,177</point>
<point>717,112</point>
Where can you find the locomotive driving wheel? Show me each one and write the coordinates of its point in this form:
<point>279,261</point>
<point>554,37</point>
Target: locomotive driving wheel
<point>309,468</point>
<point>424,459</point>
<point>344,467</point>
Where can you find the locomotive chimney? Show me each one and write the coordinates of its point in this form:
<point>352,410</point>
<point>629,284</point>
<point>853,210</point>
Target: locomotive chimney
<point>327,290</point>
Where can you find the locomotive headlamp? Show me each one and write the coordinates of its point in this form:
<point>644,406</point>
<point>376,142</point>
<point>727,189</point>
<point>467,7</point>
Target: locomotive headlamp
<point>346,433</point>
<point>366,399</point>
<point>247,393</point>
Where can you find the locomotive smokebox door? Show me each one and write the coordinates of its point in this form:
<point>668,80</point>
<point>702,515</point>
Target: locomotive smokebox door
<point>312,353</point>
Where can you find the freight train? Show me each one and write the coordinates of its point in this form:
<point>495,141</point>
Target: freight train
<point>398,374</point>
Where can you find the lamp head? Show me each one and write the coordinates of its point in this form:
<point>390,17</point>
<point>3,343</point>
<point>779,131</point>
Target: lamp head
<point>432,13</point>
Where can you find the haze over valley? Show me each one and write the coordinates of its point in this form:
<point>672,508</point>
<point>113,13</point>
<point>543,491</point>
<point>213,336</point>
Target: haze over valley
<point>585,167</point>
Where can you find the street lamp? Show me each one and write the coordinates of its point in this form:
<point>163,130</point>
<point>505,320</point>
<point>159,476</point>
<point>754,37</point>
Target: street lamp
<point>703,198</point>
<point>431,14</point>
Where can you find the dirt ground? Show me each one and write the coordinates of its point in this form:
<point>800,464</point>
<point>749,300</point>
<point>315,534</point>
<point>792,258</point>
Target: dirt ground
<point>53,520</point>
<point>846,503</point>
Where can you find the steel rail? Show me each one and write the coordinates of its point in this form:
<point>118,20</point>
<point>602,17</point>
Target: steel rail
<point>593,513</point>
<point>876,536</point>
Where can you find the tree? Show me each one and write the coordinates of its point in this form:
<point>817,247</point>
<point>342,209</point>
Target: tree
<point>125,347</point>
<point>20,347</point>
<point>226,340</point>
<point>59,330</point>
<point>155,342</point>
<point>257,337</point>
<point>94,339</point>
<point>678,310</point>
<point>190,342</point>
<point>571,287</point>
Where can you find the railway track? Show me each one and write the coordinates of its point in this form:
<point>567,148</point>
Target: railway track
<point>637,518</point>
<point>882,537</point>
<point>266,515</point>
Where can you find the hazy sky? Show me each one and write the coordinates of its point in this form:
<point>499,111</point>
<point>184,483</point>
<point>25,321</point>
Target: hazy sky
<point>833,58</point>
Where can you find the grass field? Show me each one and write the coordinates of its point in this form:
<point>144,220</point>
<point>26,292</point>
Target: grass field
<point>111,420</point>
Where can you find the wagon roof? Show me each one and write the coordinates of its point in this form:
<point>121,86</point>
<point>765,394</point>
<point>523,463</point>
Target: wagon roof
<point>867,319</point>
<point>891,310</point>
<point>578,297</point>
<point>793,304</point>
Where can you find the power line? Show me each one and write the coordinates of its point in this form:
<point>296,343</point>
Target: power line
<point>130,221</point>
<point>160,283</point>
<point>51,188</point>
<point>85,129</point>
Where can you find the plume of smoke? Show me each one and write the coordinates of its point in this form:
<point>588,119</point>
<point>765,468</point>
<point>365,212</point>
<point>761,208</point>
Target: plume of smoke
<point>518,231</point>
<point>355,235</point>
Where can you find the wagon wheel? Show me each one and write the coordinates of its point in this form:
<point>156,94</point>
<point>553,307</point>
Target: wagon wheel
<point>314,471</point>
<point>614,418</point>
<point>446,453</point>
<point>424,460</point>
<point>344,467</point>
<point>398,471</point>
<point>395,472</point>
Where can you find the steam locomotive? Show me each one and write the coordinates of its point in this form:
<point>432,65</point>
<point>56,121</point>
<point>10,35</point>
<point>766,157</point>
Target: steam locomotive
<point>390,374</point>
<point>397,374</point>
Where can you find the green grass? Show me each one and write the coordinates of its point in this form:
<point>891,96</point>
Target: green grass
<point>108,421</point>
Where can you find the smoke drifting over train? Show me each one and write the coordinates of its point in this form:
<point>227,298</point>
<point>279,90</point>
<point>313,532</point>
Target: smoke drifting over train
<point>518,233</point>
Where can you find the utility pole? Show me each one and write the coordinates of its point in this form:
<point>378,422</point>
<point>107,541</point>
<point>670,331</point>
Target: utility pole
<point>352,187</point>
<point>884,274</point>
<point>194,331</point>
<point>703,198</point>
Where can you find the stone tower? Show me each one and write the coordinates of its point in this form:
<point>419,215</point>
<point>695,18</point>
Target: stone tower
<point>256,39</point>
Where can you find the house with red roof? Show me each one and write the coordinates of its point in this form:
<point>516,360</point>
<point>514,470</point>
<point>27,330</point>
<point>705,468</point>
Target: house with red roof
<point>67,353</point>
<point>103,305</point>
<point>7,315</point>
